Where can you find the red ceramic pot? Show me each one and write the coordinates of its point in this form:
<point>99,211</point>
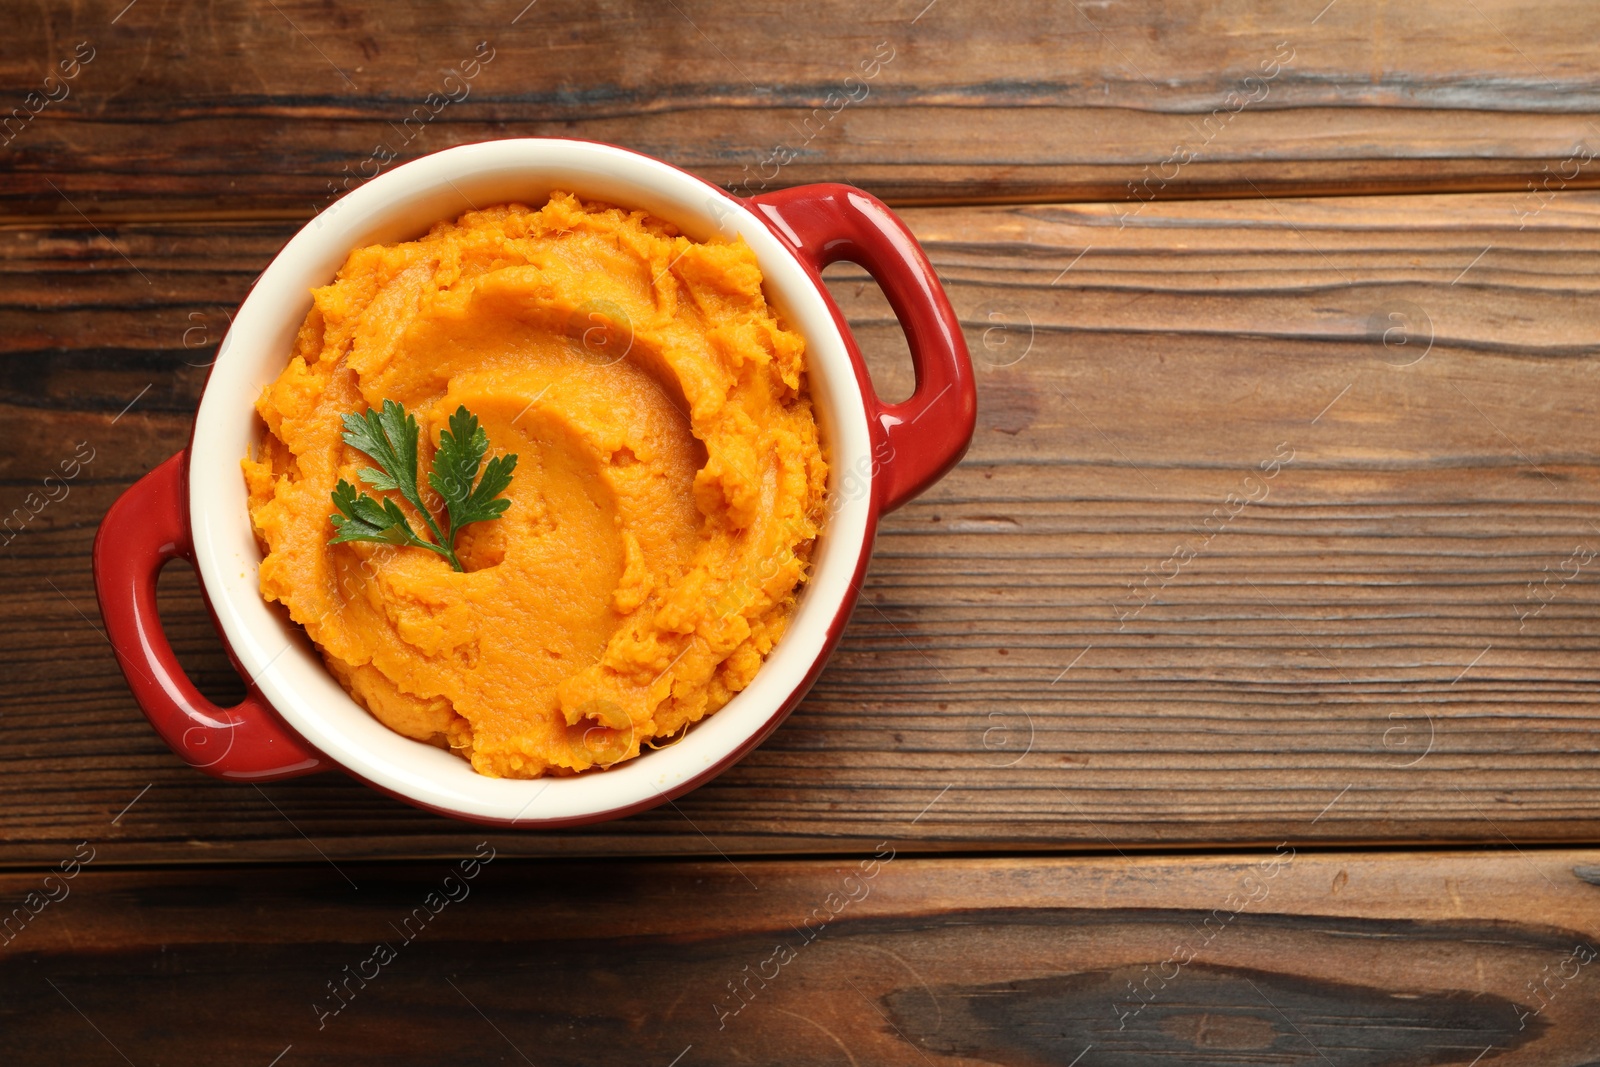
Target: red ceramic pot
<point>296,719</point>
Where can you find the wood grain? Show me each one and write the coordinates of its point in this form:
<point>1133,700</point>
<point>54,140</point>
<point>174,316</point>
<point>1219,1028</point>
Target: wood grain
<point>1354,657</point>
<point>870,958</point>
<point>241,109</point>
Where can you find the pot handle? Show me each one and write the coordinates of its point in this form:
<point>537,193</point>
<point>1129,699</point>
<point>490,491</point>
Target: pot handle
<point>926,435</point>
<point>145,529</point>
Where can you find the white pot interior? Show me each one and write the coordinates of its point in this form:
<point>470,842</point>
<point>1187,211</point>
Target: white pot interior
<point>401,205</point>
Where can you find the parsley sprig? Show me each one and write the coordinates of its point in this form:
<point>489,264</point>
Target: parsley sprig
<point>389,439</point>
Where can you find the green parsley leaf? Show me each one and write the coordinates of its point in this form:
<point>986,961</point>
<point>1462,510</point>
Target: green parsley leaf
<point>364,518</point>
<point>388,437</point>
<point>455,467</point>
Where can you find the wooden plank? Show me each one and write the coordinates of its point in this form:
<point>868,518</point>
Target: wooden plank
<point>269,109</point>
<point>1356,656</point>
<point>870,958</point>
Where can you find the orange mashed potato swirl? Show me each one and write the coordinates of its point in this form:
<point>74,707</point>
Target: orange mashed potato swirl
<point>669,486</point>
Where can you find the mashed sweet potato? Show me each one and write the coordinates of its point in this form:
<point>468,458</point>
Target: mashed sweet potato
<point>668,491</point>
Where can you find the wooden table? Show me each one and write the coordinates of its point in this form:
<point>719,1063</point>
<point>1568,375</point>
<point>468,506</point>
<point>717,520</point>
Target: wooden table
<point>1233,702</point>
